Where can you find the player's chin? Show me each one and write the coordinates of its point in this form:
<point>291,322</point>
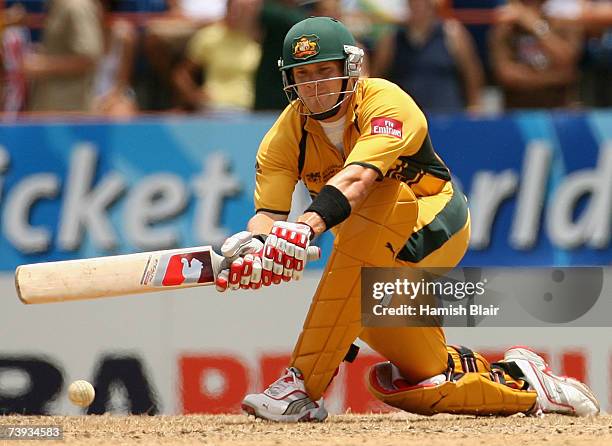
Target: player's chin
<point>317,107</point>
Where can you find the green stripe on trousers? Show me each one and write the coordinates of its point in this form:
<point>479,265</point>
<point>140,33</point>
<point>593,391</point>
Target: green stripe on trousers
<point>450,220</point>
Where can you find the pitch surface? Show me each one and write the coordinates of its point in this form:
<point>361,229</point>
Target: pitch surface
<point>367,430</point>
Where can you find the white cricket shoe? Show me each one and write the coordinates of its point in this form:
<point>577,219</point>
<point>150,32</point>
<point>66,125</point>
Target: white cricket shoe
<point>556,394</point>
<point>285,400</point>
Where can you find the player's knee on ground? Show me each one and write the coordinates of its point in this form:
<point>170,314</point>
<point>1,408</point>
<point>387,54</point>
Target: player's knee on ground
<point>418,352</point>
<point>470,387</point>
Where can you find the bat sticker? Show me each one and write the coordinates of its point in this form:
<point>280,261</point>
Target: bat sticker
<point>183,269</point>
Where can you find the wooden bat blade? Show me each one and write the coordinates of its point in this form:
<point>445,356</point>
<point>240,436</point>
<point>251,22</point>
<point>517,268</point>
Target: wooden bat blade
<point>98,277</point>
<point>116,275</point>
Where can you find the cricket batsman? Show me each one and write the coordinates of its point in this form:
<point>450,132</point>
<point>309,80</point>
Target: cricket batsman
<point>362,148</point>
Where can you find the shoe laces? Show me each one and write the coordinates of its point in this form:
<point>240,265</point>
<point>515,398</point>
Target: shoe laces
<point>291,378</point>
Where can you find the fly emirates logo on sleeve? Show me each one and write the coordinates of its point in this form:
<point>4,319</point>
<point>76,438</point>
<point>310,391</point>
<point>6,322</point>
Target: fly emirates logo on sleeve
<point>387,126</point>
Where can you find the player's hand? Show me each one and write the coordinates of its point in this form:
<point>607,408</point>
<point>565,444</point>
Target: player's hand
<point>242,266</point>
<point>285,252</point>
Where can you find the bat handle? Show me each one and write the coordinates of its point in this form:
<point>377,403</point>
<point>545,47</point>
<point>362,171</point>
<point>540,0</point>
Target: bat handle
<point>313,253</point>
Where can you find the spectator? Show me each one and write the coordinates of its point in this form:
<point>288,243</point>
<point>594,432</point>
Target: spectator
<point>165,40</point>
<point>14,43</point>
<point>62,70</point>
<point>433,59</point>
<point>114,95</point>
<point>590,13</point>
<point>275,20</point>
<point>14,15</point>
<point>335,9</point>
<point>596,85</point>
<point>327,8</point>
<point>534,58</point>
<point>597,13</point>
<point>228,54</point>
<point>372,19</point>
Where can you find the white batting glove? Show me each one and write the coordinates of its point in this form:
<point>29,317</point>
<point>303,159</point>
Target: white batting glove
<point>242,264</point>
<point>285,252</point>
<point>240,244</point>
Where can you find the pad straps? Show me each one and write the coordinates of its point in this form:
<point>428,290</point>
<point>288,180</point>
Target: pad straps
<point>514,371</point>
<point>468,360</point>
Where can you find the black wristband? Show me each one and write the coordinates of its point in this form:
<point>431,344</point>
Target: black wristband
<point>331,205</point>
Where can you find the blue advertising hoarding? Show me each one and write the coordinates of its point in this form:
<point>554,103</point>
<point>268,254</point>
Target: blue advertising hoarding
<point>539,185</point>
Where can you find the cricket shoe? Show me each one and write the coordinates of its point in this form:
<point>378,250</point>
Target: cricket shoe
<point>556,394</point>
<point>285,400</point>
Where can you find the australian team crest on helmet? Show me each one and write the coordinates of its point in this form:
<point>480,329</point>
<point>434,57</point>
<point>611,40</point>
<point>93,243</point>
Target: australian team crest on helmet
<point>305,47</point>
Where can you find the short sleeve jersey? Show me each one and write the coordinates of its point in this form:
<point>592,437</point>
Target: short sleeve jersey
<point>72,27</point>
<point>384,130</point>
<point>229,59</point>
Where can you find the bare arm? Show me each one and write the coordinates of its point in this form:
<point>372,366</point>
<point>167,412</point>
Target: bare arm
<point>383,56</point>
<point>561,43</point>
<point>597,14</point>
<point>124,31</point>
<point>182,77</point>
<point>42,65</point>
<point>354,182</point>
<point>461,44</point>
<point>262,222</point>
<point>516,75</point>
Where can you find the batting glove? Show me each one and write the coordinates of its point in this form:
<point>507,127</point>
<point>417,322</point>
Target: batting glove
<point>242,266</point>
<point>285,252</point>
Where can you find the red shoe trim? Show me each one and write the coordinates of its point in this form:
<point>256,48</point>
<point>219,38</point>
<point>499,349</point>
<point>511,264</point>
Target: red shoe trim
<point>546,393</point>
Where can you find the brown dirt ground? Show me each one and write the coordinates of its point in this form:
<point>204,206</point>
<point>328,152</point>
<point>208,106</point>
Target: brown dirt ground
<point>367,430</point>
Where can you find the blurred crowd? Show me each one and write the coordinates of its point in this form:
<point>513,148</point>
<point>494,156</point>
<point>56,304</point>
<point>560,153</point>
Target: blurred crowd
<point>220,56</point>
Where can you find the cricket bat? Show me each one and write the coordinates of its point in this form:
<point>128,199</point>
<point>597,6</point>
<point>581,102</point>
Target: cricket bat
<point>98,277</point>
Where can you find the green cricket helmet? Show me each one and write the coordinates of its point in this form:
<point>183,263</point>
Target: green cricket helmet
<point>320,39</point>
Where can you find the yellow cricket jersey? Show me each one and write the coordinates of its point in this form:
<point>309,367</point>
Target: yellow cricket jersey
<point>384,130</point>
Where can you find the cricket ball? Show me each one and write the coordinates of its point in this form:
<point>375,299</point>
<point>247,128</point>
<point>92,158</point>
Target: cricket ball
<point>81,393</point>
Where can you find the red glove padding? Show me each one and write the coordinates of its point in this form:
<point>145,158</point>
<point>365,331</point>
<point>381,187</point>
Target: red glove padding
<point>285,252</point>
<point>242,264</point>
